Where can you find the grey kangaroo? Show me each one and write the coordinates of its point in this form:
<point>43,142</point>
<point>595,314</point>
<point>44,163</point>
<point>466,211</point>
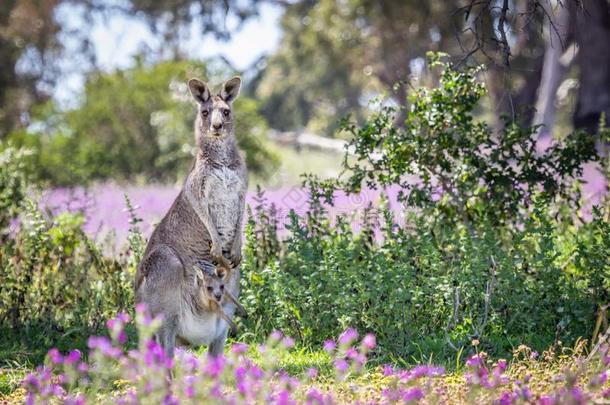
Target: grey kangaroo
<point>203,224</point>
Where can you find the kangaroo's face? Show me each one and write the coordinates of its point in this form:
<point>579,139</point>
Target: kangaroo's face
<point>214,112</point>
<point>212,287</point>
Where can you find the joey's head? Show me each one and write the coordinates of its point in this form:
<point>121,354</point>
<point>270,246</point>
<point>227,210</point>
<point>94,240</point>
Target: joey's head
<point>214,112</point>
<point>212,287</point>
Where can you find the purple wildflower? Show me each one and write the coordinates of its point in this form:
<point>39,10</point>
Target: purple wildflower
<point>507,398</point>
<point>214,366</point>
<point>239,348</point>
<point>351,353</point>
<point>341,365</point>
<point>413,394</point>
<point>72,357</point>
<point>388,370</point>
<point>329,346</point>
<point>288,342</point>
<point>55,356</point>
<point>546,400</point>
<point>348,336</point>
<point>276,335</point>
<point>474,361</point>
<point>369,341</point>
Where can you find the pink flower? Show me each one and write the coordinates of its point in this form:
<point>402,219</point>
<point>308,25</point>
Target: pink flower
<point>288,342</point>
<point>239,348</point>
<point>351,353</point>
<point>369,341</point>
<point>72,357</point>
<point>413,394</point>
<point>474,361</point>
<point>214,366</point>
<point>55,356</point>
<point>507,398</point>
<point>546,400</point>
<point>329,346</point>
<point>348,336</point>
<point>388,370</point>
<point>123,317</point>
<point>312,373</point>
<point>276,335</point>
<point>341,365</point>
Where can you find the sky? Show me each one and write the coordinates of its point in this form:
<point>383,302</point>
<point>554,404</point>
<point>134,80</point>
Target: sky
<point>118,38</point>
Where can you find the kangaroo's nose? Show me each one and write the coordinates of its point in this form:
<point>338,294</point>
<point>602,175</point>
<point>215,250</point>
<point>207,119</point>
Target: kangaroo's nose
<point>217,126</point>
<point>218,296</point>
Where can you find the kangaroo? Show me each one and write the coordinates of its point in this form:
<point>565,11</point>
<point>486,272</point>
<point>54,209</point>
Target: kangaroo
<point>204,223</point>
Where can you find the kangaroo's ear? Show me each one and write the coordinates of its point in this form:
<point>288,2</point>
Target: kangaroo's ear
<point>230,89</point>
<point>222,273</point>
<point>199,90</point>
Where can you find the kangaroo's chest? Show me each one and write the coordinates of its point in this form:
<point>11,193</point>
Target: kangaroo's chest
<point>224,188</point>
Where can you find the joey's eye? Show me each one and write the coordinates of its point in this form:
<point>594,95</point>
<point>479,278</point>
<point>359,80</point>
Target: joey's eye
<point>205,113</point>
<point>226,112</point>
<point>210,289</point>
<point>222,287</point>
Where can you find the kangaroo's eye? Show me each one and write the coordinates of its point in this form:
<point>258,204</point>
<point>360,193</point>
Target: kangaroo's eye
<point>210,289</point>
<point>222,287</point>
<point>226,112</point>
<point>205,113</point>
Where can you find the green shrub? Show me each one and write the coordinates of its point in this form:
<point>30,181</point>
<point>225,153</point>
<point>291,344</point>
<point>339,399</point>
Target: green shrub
<point>490,249</point>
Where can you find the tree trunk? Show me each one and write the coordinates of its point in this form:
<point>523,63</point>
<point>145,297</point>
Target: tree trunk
<point>554,69</point>
<point>593,38</point>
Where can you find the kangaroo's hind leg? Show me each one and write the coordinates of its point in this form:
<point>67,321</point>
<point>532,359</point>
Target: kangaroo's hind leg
<point>217,346</point>
<point>160,291</point>
<point>166,336</point>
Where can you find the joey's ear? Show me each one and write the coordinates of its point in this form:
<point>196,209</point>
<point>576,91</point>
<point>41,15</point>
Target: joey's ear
<point>222,273</point>
<point>230,89</point>
<point>199,90</point>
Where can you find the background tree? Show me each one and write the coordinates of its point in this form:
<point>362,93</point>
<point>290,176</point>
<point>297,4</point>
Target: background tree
<point>380,44</point>
<point>133,123</point>
<point>28,32</point>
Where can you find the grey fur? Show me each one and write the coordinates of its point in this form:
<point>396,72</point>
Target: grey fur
<point>204,223</point>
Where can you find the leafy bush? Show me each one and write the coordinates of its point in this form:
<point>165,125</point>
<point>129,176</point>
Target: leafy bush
<point>487,250</point>
<point>464,171</point>
<point>13,185</point>
<point>57,285</point>
<point>425,291</point>
<point>56,282</point>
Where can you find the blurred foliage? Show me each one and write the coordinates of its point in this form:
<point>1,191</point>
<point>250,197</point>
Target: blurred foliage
<point>134,123</point>
<point>39,43</point>
<point>443,157</point>
<point>334,55</point>
<point>29,34</point>
<point>14,180</point>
